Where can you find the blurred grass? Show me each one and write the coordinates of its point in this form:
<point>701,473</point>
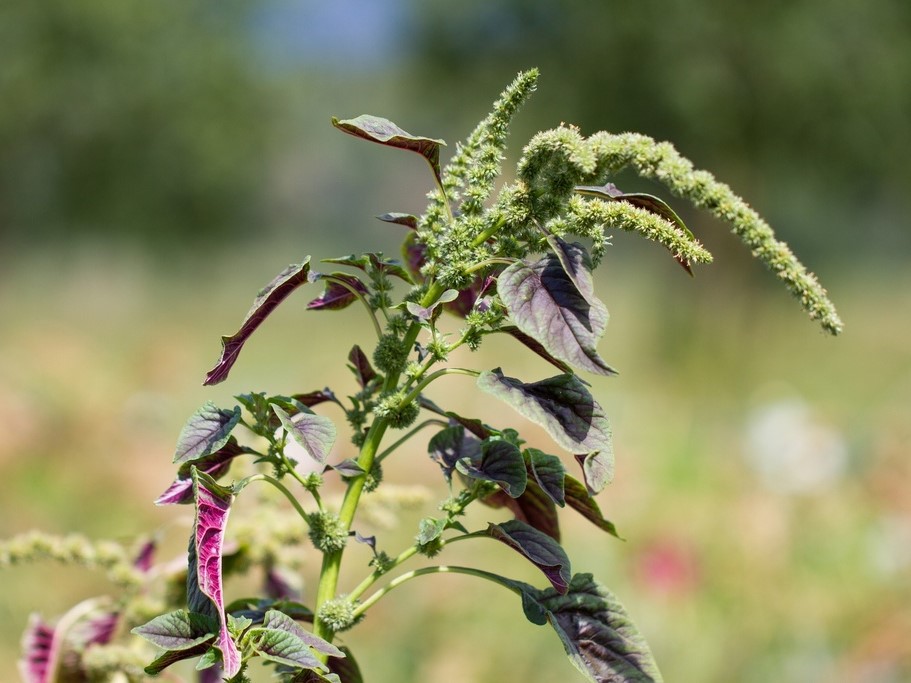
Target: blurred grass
<point>730,574</point>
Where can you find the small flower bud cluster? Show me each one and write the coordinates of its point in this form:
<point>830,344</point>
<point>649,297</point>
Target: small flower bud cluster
<point>398,410</point>
<point>327,531</point>
<point>338,614</point>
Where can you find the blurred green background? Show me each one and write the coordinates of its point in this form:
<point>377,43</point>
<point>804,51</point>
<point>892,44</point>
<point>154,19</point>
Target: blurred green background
<point>159,162</point>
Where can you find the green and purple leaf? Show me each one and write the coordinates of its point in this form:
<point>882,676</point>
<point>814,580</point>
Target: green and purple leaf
<point>414,254</point>
<point>431,312</point>
<point>346,668</point>
<point>539,548</point>
<point>648,202</point>
<point>41,644</point>
<point>563,406</point>
<point>536,346</point>
<point>534,507</point>
<point>360,366</point>
<point>341,291</point>
<point>314,433</point>
<point>580,500</point>
<point>214,464</point>
<point>472,424</point>
<point>372,263</point>
<point>549,472</point>
<point>544,302</point>
<point>284,641</point>
<point>213,504</point>
<point>500,462</point>
<point>207,430</point>
<point>314,398</point>
<point>577,264</point>
<point>385,132</point>
<point>173,656</point>
<point>450,445</point>
<point>597,470</point>
<point>265,302</point>
<point>406,219</point>
<point>180,630</point>
<point>597,633</point>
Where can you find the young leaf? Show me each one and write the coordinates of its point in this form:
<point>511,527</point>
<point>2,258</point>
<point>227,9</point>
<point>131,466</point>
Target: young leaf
<point>563,406</point>
<point>650,203</point>
<point>314,433</point>
<point>597,633</point>
<point>213,503</point>
<point>337,296</point>
<point>405,219</point>
<point>385,132</point>
<point>215,465</point>
<point>534,507</point>
<point>500,462</point>
<point>450,445</point>
<point>207,430</point>
<point>545,304</point>
<point>429,530</point>
<point>173,656</point>
<point>314,398</point>
<point>265,302</point>
<point>540,549</point>
<point>178,630</point>
<point>425,313</point>
<point>279,620</point>
<point>360,366</point>
<point>549,472</point>
<point>579,499</point>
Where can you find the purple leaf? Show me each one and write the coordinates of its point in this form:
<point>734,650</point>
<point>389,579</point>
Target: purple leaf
<point>348,468</point>
<point>314,398</point>
<point>213,504</point>
<point>549,472</point>
<point>360,366</point>
<point>346,669</point>
<point>534,507</point>
<point>648,202</point>
<point>431,312</point>
<point>563,406</point>
<point>405,219</point>
<point>597,633</point>
<point>314,433</point>
<point>337,295</point>
<point>545,304</point>
<point>146,556</point>
<point>207,430</point>
<point>265,302</point>
<point>450,445</point>
<point>472,424</point>
<point>385,132</point>
<point>180,630</point>
<point>576,264</point>
<point>539,548</point>
<point>500,462</point>
<point>579,499</point>
<point>280,586</point>
<point>215,465</point>
<point>40,651</point>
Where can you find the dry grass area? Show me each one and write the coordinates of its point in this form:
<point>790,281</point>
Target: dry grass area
<point>762,482</point>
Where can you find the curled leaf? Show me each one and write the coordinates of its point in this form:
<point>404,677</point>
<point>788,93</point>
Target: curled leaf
<point>580,500</point>
<point>341,291</point>
<point>214,464</point>
<point>549,472</point>
<point>450,445</point>
<point>314,433</point>
<point>405,219</point>
<point>265,302</point>
<point>207,430</point>
<point>540,549</point>
<point>500,462</point>
<point>360,366</point>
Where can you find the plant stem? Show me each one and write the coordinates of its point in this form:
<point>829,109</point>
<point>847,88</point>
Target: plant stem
<point>436,375</point>
<point>412,432</point>
<point>281,487</point>
<point>341,283</point>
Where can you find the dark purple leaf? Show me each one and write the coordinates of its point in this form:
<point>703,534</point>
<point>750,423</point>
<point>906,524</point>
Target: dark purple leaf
<point>465,302</point>
<point>314,398</point>
<point>579,499</point>
<point>540,549</point>
<point>207,430</point>
<point>213,504</point>
<point>341,291</point>
<point>450,445</point>
<point>536,346</point>
<point>278,585</point>
<point>648,202</point>
<point>473,425</point>
<point>346,668</point>
<point>597,633</point>
<point>146,556</point>
<point>366,540</point>
<point>533,507</point>
<point>545,304</point>
<point>265,302</point>
<point>576,264</point>
<point>314,433</point>
<point>40,651</point>
<point>500,462</point>
<point>360,366</point>
<point>549,472</point>
<point>215,465</point>
<point>405,219</point>
<point>563,406</point>
<point>385,132</point>
<point>180,630</point>
<point>597,470</point>
<point>255,609</point>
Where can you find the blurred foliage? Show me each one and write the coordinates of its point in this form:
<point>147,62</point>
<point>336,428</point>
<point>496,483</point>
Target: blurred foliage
<point>800,105</point>
<point>126,119</point>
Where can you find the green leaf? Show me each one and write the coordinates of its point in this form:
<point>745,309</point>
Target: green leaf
<point>579,499</point>
<point>544,302</point>
<point>385,132</point>
<point>207,430</point>
<point>173,656</point>
<point>283,622</point>
<point>265,302</point>
<point>346,669</point>
<point>563,406</point>
<point>597,633</point>
<point>500,462</point>
<point>282,647</point>
<point>429,530</point>
<point>549,472</point>
<point>540,549</point>
<point>314,433</point>
<point>178,630</point>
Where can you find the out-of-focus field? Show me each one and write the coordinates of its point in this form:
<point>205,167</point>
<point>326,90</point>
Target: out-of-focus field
<point>763,469</point>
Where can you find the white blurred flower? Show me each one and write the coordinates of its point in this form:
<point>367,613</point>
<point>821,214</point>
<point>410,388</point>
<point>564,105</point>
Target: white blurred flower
<point>792,452</point>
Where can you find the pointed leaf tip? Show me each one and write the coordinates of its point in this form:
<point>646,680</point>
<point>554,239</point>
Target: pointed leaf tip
<point>207,430</point>
<point>539,548</point>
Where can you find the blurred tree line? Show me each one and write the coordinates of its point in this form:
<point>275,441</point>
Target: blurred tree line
<point>160,120</point>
